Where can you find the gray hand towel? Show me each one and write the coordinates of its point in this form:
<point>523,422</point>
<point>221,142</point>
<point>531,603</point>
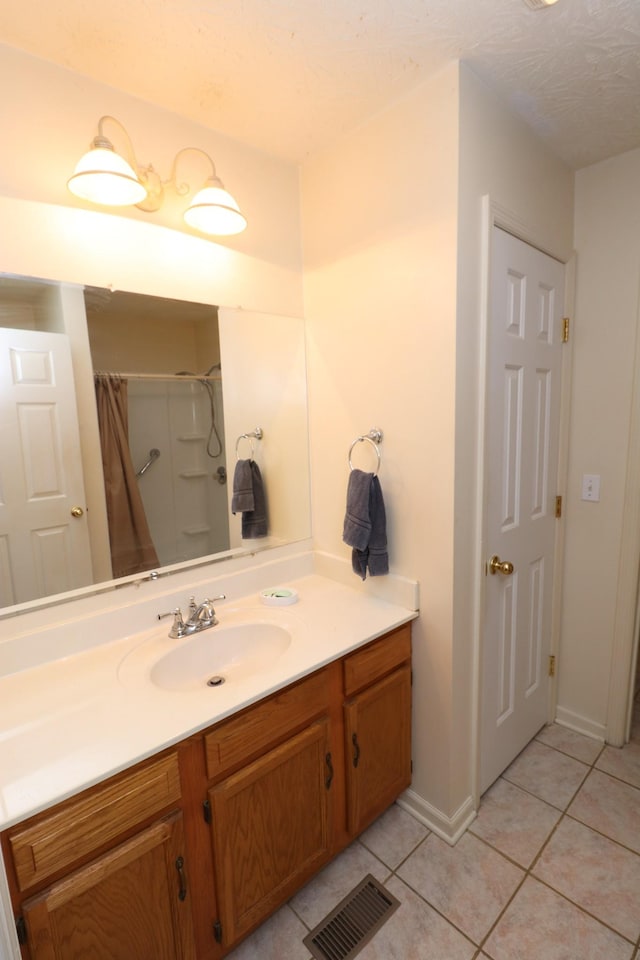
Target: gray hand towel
<point>378,558</point>
<point>243,494</point>
<point>365,525</point>
<point>357,521</point>
<point>254,522</point>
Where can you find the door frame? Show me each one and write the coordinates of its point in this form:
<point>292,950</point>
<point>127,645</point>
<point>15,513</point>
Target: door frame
<point>495,215</point>
<point>624,648</point>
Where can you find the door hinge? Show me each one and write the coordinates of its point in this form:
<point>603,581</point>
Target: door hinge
<point>206,811</point>
<point>552,666</point>
<point>558,507</point>
<point>565,329</point>
<point>217,931</point>
<point>21,930</point>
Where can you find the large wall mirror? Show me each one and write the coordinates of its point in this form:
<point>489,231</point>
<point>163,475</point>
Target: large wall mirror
<point>123,417</point>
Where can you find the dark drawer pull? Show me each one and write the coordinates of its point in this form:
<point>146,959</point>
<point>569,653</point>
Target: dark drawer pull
<point>182,895</point>
<point>329,779</point>
<point>356,749</point>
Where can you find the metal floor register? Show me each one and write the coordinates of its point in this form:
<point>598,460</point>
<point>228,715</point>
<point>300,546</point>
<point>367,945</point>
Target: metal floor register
<point>346,930</point>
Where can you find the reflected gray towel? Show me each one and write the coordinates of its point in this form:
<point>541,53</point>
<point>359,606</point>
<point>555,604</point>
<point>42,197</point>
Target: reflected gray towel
<point>254,521</point>
<point>243,496</point>
<point>365,525</point>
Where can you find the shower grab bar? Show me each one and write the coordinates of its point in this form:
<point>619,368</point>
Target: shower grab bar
<point>153,455</point>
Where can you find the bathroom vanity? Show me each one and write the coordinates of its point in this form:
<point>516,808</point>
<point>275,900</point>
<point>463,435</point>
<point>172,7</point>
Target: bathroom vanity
<point>183,853</point>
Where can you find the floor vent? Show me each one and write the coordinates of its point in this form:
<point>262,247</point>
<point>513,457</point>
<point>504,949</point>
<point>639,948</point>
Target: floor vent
<point>345,931</point>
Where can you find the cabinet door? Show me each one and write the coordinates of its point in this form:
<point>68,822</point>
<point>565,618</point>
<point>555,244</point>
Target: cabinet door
<point>378,747</point>
<point>271,828</point>
<point>132,902</point>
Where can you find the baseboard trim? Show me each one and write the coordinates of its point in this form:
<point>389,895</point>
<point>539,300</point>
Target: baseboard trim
<point>449,829</point>
<point>574,721</point>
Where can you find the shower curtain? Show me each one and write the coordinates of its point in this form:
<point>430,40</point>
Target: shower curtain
<point>132,549</point>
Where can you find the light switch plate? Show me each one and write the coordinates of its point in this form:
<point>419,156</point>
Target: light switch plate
<point>591,486</point>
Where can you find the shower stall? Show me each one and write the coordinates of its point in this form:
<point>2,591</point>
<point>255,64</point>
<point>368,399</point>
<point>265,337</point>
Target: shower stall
<point>176,439</point>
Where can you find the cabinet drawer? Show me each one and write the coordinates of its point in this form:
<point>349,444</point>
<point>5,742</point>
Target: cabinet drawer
<point>258,728</point>
<point>84,825</point>
<point>376,659</point>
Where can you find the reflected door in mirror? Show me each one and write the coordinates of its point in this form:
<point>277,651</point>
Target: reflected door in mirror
<point>44,543</point>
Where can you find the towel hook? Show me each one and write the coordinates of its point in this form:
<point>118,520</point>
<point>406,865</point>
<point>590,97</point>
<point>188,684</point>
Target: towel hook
<point>257,434</point>
<point>374,437</point>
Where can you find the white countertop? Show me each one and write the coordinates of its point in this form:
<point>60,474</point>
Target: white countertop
<point>70,723</point>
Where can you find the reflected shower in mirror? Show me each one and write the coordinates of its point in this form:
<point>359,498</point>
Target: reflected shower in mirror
<point>185,404</point>
<point>173,507</point>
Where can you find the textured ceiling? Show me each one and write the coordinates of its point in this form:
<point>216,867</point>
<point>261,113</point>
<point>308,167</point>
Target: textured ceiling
<point>289,76</point>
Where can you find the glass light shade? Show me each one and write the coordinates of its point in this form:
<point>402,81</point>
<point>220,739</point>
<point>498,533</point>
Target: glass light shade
<point>103,176</point>
<point>214,211</point>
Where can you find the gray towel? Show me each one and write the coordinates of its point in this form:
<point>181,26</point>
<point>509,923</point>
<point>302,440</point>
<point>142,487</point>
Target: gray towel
<point>365,525</point>
<point>357,522</point>
<point>243,496</point>
<point>254,521</point>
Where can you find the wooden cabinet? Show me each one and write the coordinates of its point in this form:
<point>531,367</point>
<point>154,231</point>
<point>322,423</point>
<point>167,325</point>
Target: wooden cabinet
<point>272,775</point>
<point>105,875</point>
<point>377,723</point>
<point>271,828</point>
<point>182,856</point>
<point>127,903</point>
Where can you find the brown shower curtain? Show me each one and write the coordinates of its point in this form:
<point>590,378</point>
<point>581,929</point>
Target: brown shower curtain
<point>132,549</point>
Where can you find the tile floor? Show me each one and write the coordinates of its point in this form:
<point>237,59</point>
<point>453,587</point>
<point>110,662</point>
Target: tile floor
<point>549,870</point>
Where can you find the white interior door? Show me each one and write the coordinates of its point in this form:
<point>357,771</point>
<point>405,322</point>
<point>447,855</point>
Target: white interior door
<point>523,415</point>
<point>44,548</point>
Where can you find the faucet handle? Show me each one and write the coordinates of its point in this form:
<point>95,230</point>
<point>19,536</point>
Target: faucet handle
<point>206,614</point>
<point>178,627</point>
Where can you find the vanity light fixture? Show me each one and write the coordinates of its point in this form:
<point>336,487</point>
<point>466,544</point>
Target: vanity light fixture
<point>105,177</point>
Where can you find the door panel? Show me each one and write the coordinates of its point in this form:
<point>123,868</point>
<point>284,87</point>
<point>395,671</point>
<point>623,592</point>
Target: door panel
<point>523,415</point>
<point>130,902</point>
<point>271,828</point>
<point>43,549</point>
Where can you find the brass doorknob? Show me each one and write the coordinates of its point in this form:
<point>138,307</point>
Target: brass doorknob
<point>77,511</point>
<point>496,565</point>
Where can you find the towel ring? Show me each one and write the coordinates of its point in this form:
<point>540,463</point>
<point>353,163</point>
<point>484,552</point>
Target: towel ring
<point>257,433</point>
<point>374,437</point>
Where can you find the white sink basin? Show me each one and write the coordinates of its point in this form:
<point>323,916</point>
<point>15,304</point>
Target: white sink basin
<point>230,652</point>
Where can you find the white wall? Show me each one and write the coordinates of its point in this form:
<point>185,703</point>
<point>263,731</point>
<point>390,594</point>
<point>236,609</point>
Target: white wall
<point>48,122</point>
<point>607,240</point>
<point>273,396</point>
<point>379,235</point>
<point>392,239</point>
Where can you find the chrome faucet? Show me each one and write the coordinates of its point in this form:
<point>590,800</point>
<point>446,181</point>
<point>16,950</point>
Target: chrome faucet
<point>201,617</point>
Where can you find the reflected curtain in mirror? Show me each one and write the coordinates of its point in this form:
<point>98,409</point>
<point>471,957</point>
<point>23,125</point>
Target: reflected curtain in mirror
<point>132,549</point>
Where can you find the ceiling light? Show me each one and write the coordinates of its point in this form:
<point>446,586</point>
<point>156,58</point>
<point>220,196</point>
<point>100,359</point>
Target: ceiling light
<point>104,177</point>
<point>540,4</point>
